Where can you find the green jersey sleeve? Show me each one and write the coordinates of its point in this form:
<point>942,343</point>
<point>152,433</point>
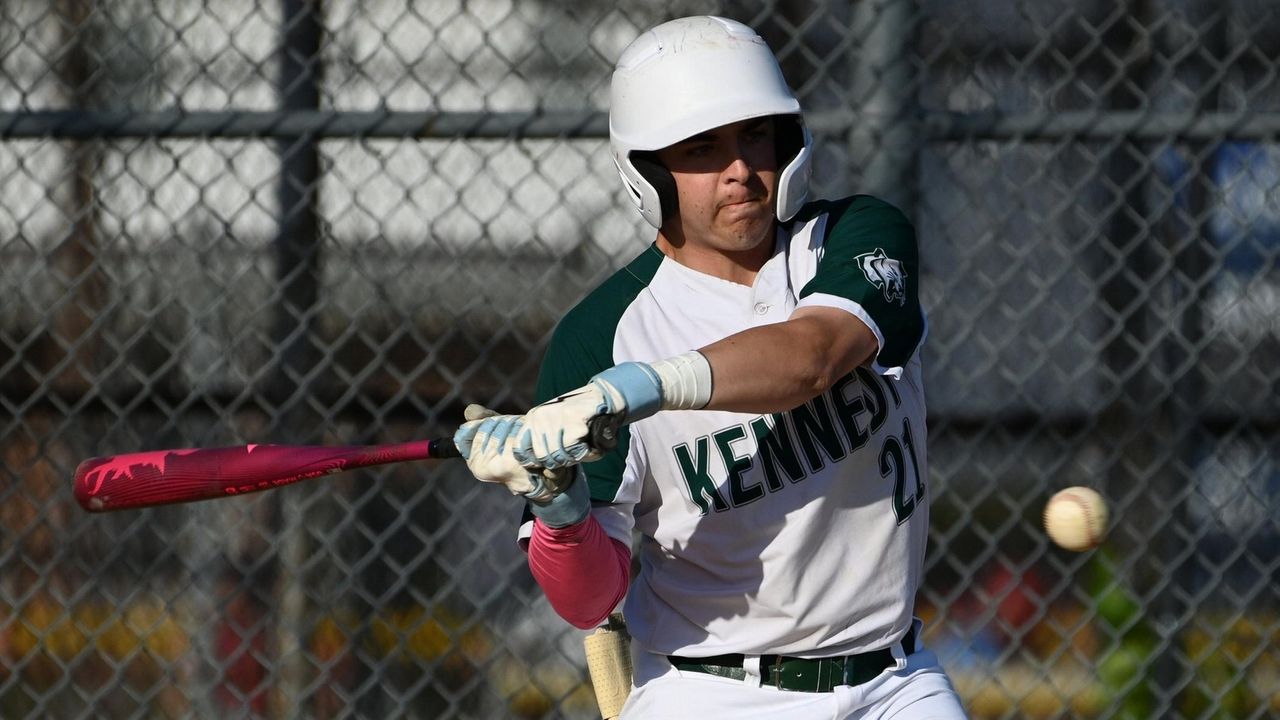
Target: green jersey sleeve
<point>870,258</point>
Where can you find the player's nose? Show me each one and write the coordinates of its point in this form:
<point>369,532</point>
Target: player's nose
<point>739,167</point>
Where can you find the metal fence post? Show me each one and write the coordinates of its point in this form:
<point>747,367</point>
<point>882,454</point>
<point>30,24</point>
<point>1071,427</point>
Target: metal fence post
<point>298,267</point>
<point>883,139</point>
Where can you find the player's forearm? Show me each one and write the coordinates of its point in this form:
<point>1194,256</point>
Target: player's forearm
<point>777,367</point>
<point>582,570</point>
<point>763,370</point>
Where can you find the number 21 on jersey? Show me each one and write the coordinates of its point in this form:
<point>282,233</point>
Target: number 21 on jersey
<point>895,454</point>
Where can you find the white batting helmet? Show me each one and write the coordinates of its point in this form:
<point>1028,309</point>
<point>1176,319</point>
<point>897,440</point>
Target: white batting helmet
<point>689,76</point>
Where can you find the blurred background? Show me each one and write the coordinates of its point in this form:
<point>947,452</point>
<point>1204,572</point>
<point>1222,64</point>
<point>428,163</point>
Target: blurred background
<point>339,222</point>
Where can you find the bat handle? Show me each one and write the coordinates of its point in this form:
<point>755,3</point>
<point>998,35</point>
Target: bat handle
<point>442,448</point>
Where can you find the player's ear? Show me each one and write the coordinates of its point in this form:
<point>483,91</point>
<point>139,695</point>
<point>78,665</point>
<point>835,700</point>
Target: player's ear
<point>646,163</point>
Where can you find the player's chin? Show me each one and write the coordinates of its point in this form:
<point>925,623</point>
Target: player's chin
<point>747,234</point>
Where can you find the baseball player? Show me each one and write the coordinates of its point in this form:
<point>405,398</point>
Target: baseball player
<point>764,354</point>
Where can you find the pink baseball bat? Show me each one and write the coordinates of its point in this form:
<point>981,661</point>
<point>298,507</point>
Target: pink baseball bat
<point>162,477</point>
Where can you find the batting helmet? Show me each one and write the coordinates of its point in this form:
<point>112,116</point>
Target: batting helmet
<point>689,76</point>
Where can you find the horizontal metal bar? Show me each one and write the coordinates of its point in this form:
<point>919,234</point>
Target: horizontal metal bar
<point>1096,125</point>
<point>80,125</point>
<point>1043,126</point>
<point>932,126</point>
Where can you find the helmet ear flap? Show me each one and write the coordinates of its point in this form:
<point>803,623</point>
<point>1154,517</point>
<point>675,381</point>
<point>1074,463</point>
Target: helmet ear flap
<point>662,181</point>
<point>793,145</point>
<point>788,138</point>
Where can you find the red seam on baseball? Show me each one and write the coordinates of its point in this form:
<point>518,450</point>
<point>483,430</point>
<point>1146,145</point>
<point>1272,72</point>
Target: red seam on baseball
<point>1083,504</point>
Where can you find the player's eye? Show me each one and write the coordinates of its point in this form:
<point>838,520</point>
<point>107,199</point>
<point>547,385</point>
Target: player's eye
<point>758,133</point>
<point>699,149</point>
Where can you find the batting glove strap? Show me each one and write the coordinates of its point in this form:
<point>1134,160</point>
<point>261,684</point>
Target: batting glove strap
<point>638,387</point>
<point>570,507</point>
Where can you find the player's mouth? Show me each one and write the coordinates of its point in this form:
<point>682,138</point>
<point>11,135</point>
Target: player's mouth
<point>743,203</point>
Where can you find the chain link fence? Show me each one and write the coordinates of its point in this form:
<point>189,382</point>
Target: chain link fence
<point>338,222</point>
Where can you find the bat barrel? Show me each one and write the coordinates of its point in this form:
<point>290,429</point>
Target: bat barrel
<point>163,477</point>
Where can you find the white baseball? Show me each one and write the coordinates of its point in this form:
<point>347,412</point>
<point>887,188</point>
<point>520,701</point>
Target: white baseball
<point>1076,518</point>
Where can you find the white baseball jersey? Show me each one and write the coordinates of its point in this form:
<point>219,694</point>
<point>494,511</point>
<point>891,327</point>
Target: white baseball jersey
<point>798,533</point>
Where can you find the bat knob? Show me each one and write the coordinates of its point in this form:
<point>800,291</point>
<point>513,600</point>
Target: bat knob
<point>602,432</point>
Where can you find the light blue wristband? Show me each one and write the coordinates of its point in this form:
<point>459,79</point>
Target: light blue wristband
<point>639,385</point>
<point>569,507</point>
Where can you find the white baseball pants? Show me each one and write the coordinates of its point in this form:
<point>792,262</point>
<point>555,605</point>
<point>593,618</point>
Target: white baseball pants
<point>916,690</point>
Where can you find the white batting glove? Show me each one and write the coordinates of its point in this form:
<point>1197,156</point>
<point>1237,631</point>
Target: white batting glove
<point>557,431</point>
<point>558,497</point>
<point>487,442</point>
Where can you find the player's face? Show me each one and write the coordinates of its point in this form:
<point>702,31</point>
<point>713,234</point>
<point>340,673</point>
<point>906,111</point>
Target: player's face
<point>726,179</point>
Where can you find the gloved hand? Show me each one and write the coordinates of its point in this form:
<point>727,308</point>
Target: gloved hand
<point>555,434</point>
<point>487,440</point>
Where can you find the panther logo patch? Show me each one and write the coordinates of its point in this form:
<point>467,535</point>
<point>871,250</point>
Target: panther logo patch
<point>885,273</point>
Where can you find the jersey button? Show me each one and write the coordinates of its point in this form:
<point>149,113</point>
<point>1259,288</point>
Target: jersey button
<point>761,308</point>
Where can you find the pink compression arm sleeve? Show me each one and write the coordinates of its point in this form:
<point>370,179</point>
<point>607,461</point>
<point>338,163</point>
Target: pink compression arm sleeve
<point>583,571</point>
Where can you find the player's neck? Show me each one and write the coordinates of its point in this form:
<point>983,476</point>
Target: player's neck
<point>735,266</point>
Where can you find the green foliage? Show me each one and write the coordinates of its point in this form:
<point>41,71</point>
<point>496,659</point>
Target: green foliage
<point>1127,660</point>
